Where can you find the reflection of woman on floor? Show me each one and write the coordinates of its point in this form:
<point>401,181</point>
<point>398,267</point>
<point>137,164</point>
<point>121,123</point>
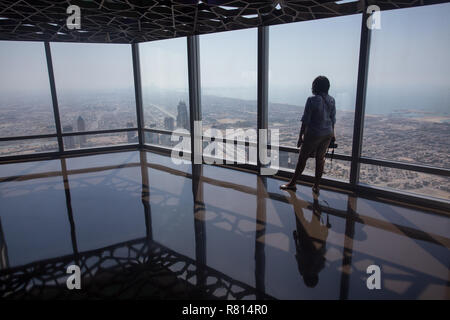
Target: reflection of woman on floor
<point>316,132</point>
<point>310,240</point>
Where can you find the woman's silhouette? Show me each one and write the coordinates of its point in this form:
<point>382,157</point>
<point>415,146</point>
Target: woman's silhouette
<point>310,238</point>
<point>316,132</point>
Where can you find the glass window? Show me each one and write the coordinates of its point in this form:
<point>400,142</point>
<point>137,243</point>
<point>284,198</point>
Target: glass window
<point>298,53</point>
<point>25,98</point>
<point>408,94</point>
<point>28,146</point>
<point>405,180</point>
<point>228,63</point>
<point>99,140</point>
<point>95,86</point>
<point>336,169</point>
<point>165,88</point>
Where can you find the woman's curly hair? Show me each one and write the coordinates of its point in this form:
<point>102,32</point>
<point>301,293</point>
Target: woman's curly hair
<point>320,85</point>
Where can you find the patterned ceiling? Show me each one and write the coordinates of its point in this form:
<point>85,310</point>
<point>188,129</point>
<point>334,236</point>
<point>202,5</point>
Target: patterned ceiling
<point>132,21</point>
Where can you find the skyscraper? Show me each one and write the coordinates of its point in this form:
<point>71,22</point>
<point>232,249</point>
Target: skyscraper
<point>69,142</point>
<point>81,125</point>
<point>151,137</point>
<point>131,135</point>
<point>182,117</point>
<point>169,124</point>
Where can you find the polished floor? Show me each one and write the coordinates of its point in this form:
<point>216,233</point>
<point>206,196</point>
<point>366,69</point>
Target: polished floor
<point>140,226</point>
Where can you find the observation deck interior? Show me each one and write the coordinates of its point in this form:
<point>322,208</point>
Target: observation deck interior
<point>140,226</point>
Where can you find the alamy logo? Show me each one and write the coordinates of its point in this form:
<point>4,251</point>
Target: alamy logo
<point>74,20</point>
<point>374,280</point>
<point>74,280</point>
<point>374,20</point>
<point>216,146</point>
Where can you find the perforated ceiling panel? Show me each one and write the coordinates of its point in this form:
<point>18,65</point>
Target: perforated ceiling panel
<point>138,21</point>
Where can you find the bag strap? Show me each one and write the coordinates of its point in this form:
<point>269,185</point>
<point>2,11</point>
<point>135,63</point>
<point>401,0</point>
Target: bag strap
<point>332,152</point>
<point>325,101</point>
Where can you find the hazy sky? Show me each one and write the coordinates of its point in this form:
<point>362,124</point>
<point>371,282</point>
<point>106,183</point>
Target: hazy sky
<point>409,58</point>
<point>300,52</point>
<point>164,64</point>
<point>88,66</point>
<point>228,63</point>
<point>23,68</point>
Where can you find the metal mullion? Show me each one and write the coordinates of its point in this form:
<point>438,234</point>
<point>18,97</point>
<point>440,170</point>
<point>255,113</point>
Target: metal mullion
<point>51,77</point>
<point>162,131</point>
<point>263,85</point>
<point>358,124</point>
<point>82,133</point>
<point>38,136</point>
<point>195,108</point>
<point>123,147</point>
<point>138,92</point>
<point>32,156</point>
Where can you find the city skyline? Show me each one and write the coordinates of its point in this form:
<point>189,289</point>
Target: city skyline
<point>404,143</point>
<point>407,112</point>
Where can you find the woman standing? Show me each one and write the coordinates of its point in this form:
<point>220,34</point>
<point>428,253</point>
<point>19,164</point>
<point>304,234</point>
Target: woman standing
<point>316,132</point>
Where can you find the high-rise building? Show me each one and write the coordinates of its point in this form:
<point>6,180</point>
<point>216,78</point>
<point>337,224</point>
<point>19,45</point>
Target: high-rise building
<point>169,125</point>
<point>131,135</point>
<point>151,137</point>
<point>182,116</point>
<point>69,142</point>
<point>81,125</point>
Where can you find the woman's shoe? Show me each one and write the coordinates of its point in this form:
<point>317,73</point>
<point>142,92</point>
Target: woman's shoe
<point>316,190</point>
<point>288,187</point>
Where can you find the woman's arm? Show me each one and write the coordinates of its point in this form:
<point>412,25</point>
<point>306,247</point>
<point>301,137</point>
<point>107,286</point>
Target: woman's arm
<point>301,135</point>
<point>333,119</point>
<point>306,118</point>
